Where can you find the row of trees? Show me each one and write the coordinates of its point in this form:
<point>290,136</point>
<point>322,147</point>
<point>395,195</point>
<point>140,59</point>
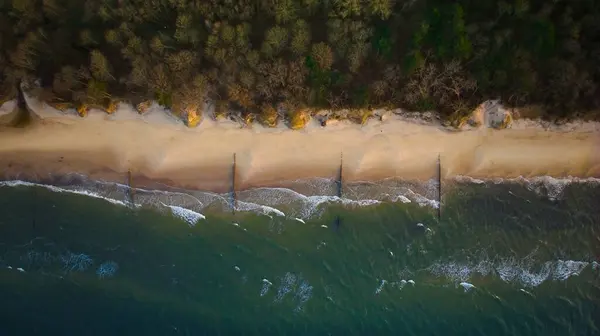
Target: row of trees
<point>256,56</point>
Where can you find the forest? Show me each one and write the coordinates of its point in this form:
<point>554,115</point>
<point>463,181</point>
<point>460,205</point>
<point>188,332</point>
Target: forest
<point>266,60</point>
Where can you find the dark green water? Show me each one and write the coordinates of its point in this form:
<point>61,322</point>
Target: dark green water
<point>530,249</point>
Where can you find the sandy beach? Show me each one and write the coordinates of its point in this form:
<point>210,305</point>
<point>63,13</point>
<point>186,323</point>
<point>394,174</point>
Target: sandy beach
<point>157,148</point>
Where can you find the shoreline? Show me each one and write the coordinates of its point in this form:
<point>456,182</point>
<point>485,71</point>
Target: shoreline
<point>157,150</point>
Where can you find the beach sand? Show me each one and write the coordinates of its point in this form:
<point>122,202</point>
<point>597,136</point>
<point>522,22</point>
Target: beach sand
<point>158,149</point>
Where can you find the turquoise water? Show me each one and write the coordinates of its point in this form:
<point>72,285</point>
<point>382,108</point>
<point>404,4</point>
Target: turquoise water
<point>506,257</point>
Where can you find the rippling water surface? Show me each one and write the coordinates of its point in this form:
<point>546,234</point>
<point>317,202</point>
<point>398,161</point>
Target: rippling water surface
<point>506,257</point>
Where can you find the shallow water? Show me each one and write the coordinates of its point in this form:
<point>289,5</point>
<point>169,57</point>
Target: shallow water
<point>518,257</point>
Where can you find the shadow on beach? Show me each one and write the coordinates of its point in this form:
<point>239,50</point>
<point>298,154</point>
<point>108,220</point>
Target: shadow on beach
<point>23,115</point>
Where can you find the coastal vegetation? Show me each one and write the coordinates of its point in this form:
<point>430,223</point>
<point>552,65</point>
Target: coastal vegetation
<point>273,60</point>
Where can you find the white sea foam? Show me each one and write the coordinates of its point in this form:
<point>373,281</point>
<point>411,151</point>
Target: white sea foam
<point>304,206</point>
<point>286,286</point>
<point>16,183</point>
<point>520,271</point>
<point>422,200</point>
<point>294,284</point>
<point>266,285</point>
<point>259,200</point>
<point>532,278</point>
<point>380,288</point>
<point>200,200</point>
<point>564,269</point>
<point>156,198</point>
<point>143,197</point>
<point>526,292</point>
<point>189,216</point>
<point>263,209</point>
<point>298,206</point>
<point>313,203</point>
<point>468,179</point>
<point>545,186</point>
<point>75,262</point>
<point>303,294</point>
<point>107,269</point>
<point>454,271</point>
<point>265,289</point>
<point>467,286</point>
<point>428,231</point>
<point>400,284</point>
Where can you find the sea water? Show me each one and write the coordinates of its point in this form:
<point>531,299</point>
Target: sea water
<point>520,256</point>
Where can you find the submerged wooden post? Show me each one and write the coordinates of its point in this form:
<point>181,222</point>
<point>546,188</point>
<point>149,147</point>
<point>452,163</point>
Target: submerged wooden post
<point>130,188</point>
<point>439,188</point>
<point>24,113</point>
<point>339,181</point>
<point>34,212</point>
<point>338,220</point>
<point>233,195</point>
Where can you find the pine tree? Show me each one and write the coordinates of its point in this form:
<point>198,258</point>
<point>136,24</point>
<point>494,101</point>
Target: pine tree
<point>100,67</point>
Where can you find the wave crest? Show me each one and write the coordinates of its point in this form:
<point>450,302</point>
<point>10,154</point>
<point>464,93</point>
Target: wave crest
<point>523,272</point>
<point>546,186</point>
<point>284,202</point>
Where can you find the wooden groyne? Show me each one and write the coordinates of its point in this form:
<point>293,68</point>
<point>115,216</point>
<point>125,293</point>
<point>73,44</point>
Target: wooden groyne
<point>22,114</point>
<point>233,193</point>
<point>339,182</point>
<point>130,191</point>
<point>439,171</point>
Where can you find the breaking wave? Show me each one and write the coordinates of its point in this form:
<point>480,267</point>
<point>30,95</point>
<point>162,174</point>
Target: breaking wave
<point>299,289</point>
<point>303,200</point>
<point>523,272</point>
<point>546,186</point>
<point>189,205</point>
<point>79,191</point>
<point>520,273</point>
<point>189,216</point>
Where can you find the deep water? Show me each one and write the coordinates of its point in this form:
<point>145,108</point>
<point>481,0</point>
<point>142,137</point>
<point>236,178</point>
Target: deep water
<point>513,257</point>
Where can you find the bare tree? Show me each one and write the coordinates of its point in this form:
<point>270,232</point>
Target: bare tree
<point>323,55</point>
<point>442,84</point>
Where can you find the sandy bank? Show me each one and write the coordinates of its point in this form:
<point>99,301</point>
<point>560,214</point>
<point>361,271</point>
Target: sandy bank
<point>157,147</point>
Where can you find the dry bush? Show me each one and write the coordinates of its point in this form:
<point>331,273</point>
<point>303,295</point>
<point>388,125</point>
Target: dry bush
<point>299,118</point>
<point>240,96</point>
<point>323,55</point>
<point>268,115</point>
